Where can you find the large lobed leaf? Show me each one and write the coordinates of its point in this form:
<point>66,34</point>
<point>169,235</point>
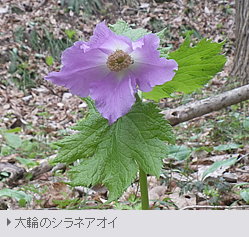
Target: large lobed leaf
<point>123,28</point>
<point>196,66</point>
<point>92,127</point>
<point>112,153</point>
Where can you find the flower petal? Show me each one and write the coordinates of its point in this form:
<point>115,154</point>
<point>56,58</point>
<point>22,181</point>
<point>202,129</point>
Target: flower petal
<point>80,69</point>
<point>85,71</point>
<point>113,97</point>
<point>150,70</point>
<point>106,40</point>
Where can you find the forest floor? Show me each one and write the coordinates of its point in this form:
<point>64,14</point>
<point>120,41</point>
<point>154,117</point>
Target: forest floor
<point>34,113</point>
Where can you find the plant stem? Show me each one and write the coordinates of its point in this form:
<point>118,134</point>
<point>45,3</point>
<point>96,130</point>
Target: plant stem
<point>144,189</point>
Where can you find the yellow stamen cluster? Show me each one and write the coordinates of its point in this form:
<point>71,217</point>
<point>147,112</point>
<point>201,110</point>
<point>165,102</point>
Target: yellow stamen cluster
<point>119,60</point>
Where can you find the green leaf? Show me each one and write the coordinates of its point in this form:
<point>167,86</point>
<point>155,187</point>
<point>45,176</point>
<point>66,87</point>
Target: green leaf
<point>22,202</point>
<point>26,162</point>
<point>246,123</point>
<point>245,195</point>
<point>196,66</point>
<point>18,195</point>
<point>14,61</point>
<point>123,28</point>
<point>17,129</point>
<point>4,174</point>
<point>112,153</point>
<point>164,52</point>
<point>216,165</point>
<point>12,140</point>
<point>179,152</point>
<point>160,34</point>
<point>49,60</point>
<point>227,147</point>
<point>240,184</point>
<point>70,33</point>
<point>93,127</point>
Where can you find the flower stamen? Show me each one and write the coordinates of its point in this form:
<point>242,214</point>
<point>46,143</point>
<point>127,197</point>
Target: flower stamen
<point>119,60</point>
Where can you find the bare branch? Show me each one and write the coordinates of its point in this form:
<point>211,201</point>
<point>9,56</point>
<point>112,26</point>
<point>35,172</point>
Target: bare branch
<point>215,207</point>
<point>199,108</point>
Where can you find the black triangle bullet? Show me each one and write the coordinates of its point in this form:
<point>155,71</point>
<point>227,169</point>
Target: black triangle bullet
<point>8,221</point>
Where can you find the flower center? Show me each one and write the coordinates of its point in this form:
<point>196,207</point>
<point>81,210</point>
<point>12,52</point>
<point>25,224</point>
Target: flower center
<point>118,60</point>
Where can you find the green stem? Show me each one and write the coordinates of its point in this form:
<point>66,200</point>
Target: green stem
<point>144,189</point>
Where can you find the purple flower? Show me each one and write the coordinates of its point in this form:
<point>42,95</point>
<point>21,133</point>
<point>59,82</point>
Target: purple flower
<point>111,68</point>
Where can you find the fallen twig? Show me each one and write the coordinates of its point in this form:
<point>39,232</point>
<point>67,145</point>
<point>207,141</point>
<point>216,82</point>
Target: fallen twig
<point>199,108</point>
<point>214,207</point>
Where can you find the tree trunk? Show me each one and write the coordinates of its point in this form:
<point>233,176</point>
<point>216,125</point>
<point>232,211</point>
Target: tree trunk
<point>199,108</point>
<point>241,57</point>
